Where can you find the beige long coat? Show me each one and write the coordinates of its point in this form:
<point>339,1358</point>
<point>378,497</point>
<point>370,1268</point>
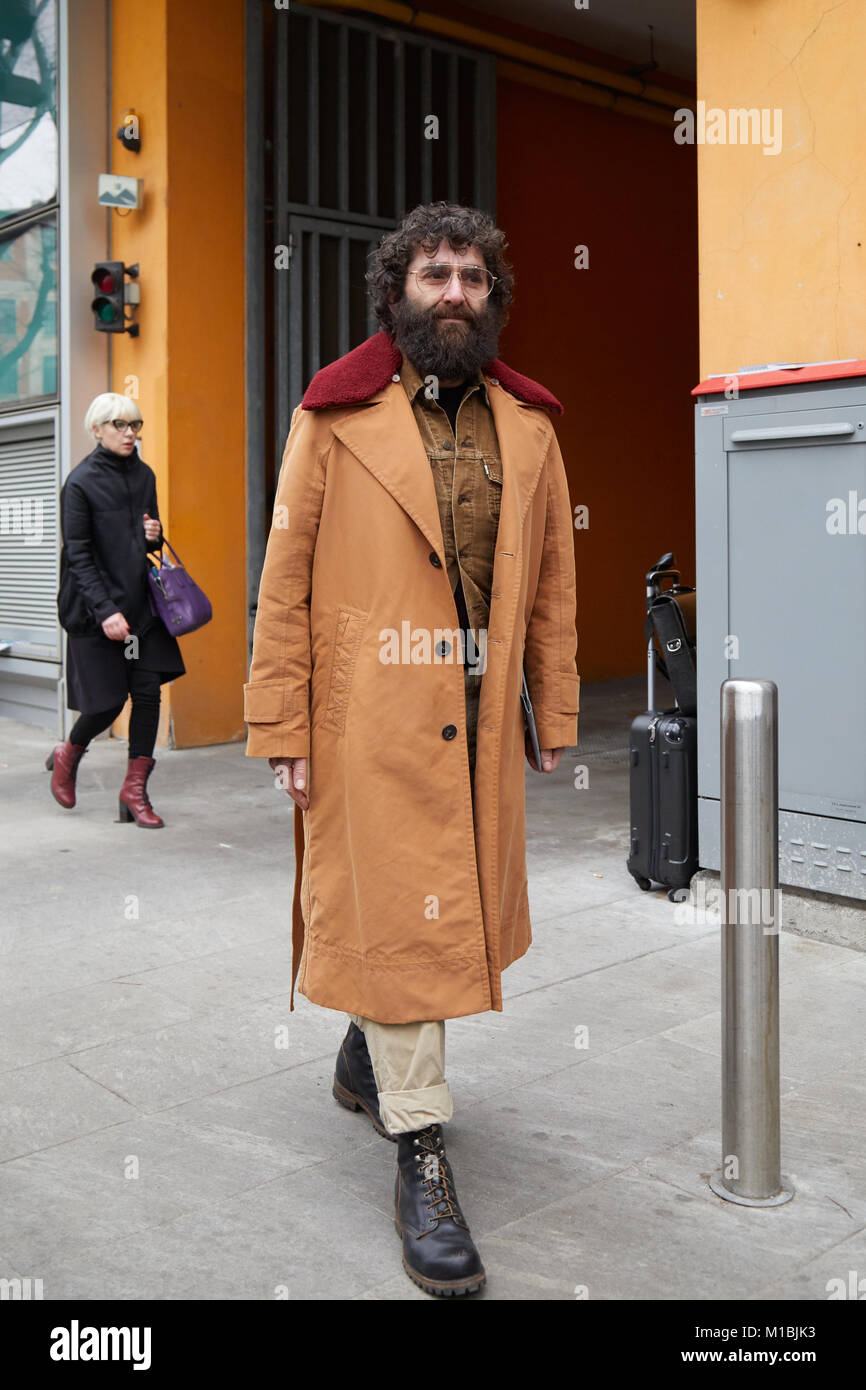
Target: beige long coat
<point>407,907</point>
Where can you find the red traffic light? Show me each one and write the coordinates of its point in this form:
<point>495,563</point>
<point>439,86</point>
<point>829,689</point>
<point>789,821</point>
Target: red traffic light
<point>103,280</point>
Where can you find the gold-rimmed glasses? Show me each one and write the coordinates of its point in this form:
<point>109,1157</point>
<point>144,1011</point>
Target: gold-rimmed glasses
<point>476,280</point>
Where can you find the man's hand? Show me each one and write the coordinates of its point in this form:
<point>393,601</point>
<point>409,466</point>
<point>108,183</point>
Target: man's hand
<point>151,528</point>
<point>292,776</point>
<point>549,758</point>
<point>116,627</point>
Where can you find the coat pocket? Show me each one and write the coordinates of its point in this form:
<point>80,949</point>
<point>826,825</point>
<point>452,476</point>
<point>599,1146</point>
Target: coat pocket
<point>348,629</point>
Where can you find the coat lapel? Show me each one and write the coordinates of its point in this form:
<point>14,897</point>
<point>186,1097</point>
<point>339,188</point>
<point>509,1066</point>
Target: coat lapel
<point>382,435</point>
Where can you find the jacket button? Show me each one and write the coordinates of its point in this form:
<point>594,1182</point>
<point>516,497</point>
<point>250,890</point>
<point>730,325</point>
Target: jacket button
<point>446,444</point>
<point>450,731</point>
<point>434,560</point>
<point>443,648</point>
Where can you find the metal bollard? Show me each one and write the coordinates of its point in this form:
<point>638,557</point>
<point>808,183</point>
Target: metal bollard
<point>751,1162</point>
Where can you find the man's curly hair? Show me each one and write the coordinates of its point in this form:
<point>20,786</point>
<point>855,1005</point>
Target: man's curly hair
<point>424,228</point>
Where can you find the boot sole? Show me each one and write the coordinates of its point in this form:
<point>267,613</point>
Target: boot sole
<point>352,1102</point>
<point>452,1289</point>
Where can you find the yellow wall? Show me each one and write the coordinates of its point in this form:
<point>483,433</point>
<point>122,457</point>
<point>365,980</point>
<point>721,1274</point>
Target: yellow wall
<point>781,242</point>
<point>181,67</point>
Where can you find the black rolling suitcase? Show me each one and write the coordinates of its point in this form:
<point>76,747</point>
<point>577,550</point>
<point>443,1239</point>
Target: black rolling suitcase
<point>663,747</point>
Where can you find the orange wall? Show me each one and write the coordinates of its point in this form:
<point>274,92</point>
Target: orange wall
<point>181,66</point>
<point>781,242</point>
<point>617,343</point>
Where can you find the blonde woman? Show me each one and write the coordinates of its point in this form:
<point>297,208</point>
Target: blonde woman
<point>109,522</point>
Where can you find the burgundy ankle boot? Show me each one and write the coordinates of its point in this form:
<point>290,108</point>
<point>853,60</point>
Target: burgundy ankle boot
<point>63,763</point>
<point>134,800</point>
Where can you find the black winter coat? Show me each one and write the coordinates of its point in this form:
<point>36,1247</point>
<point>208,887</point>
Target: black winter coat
<point>103,562</point>
<point>103,570</point>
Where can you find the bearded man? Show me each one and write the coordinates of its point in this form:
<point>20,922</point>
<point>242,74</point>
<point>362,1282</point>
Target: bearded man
<point>421,493</point>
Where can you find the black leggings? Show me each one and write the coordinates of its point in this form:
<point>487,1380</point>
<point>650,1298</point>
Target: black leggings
<point>144,687</point>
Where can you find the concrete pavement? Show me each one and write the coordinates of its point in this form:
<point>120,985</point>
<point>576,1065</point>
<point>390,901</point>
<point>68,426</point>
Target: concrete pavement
<point>167,1128</point>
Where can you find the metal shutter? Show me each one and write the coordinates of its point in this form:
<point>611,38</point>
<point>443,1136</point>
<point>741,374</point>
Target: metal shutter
<point>29,541</point>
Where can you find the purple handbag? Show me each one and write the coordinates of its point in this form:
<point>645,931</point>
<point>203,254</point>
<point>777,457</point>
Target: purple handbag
<point>175,597</point>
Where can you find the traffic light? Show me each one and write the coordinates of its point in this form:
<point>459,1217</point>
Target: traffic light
<point>112,293</point>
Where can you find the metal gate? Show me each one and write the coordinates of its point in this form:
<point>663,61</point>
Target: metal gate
<point>350,124</point>
<point>369,122</point>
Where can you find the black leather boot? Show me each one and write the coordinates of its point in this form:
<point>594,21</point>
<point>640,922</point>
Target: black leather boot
<point>438,1251</point>
<point>354,1081</point>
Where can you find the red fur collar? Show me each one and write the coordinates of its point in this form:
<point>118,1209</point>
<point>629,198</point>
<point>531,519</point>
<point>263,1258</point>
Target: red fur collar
<point>369,367</point>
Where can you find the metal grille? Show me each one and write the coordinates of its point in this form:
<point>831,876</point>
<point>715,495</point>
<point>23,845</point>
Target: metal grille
<point>355,105</point>
<point>29,542</point>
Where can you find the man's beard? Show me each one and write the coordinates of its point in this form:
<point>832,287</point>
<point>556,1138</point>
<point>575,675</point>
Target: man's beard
<point>450,351</point>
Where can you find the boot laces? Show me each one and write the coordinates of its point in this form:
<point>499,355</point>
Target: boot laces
<point>441,1199</point>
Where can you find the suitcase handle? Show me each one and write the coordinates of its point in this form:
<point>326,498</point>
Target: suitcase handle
<point>657,575</point>
<point>653,588</point>
<point>663,566</point>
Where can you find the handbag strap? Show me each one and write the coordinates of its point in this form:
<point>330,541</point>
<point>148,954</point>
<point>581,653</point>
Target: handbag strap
<point>170,547</point>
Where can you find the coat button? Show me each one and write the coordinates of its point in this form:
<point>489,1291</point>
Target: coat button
<point>446,444</point>
<point>434,560</point>
<point>450,731</point>
<point>443,648</point>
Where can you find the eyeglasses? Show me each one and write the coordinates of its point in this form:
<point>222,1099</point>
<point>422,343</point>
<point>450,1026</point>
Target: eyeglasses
<point>123,425</point>
<point>476,280</point>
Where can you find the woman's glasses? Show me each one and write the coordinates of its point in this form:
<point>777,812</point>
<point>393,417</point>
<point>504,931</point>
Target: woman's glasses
<point>475,279</point>
<point>123,425</point>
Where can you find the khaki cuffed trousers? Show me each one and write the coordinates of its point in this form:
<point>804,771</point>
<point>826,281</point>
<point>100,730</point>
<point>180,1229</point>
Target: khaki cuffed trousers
<point>409,1066</point>
<point>409,1058</point>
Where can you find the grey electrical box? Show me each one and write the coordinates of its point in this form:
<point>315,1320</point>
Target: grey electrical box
<point>780,480</point>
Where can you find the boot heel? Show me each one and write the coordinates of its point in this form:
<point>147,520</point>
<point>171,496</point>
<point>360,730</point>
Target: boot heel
<point>124,813</point>
<point>49,763</point>
<point>343,1097</point>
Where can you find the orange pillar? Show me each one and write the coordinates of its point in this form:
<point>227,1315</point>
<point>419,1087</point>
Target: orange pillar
<point>180,67</point>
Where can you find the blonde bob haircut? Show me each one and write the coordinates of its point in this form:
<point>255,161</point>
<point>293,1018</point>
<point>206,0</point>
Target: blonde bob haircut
<point>109,406</point>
